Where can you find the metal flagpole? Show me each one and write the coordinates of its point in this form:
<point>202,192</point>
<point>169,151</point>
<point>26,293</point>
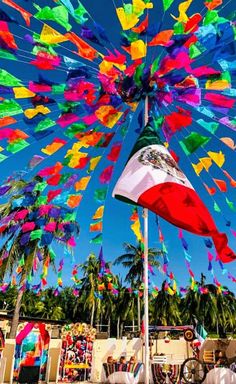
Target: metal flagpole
<point>146,311</point>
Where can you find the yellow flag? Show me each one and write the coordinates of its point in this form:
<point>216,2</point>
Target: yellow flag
<point>170,291</point>
<point>74,161</point>
<point>105,67</point>
<point>217,85</point>
<point>52,148</point>
<point>217,157</point>
<point>139,6</point>
<point>99,213</point>
<point>138,49</point>
<point>22,92</point>
<point>74,150</point>
<point>32,112</point>
<point>206,162</point>
<point>94,162</point>
<point>127,21</point>
<point>197,168</point>
<point>50,36</point>
<point>136,229</point>
<point>108,115</point>
<point>183,7</point>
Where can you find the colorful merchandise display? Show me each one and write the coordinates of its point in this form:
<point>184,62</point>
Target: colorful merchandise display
<point>76,354</point>
<point>31,354</point>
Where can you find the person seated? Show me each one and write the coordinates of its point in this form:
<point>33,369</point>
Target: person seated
<point>122,360</point>
<point>110,360</point>
<point>222,359</point>
<point>133,360</point>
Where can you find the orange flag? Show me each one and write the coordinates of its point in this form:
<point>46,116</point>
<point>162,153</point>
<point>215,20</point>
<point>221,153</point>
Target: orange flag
<point>162,38</point>
<point>84,49</point>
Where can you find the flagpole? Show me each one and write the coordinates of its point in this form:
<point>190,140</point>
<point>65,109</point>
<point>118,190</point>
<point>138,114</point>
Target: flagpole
<point>146,310</point>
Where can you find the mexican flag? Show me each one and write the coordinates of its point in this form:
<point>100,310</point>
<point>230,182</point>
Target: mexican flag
<point>153,179</point>
<point>201,333</point>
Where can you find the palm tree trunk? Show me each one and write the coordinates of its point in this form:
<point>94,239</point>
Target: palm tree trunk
<point>121,328</point>
<point>109,326</point>
<point>139,314</point>
<point>16,314</point>
<point>118,328</point>
<point>92,314</point>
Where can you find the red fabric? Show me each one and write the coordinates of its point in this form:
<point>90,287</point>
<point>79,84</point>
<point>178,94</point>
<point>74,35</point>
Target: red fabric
<point>54,180</point>
<point>178,120</point>
<point>52,194</point>
<point>141,27</point>
<point>114,153</point>
<point>83,161</point>
<point>211,191</point>
<point>221,184</point>
<point>192,23</point>
<point>182,207</point>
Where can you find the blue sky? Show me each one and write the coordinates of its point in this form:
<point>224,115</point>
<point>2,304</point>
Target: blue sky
<point>116,219</point>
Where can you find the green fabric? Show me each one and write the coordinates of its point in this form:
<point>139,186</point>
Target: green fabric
<point>41,200</point>
<point>17,146</point>
<point>73,129</point>
<point>167,4</point>
<point>100,194</point>
<point>48,49</point>
<point>65,177</point>
<point>58,14</point>
<point>9,80</point>
<point>52,254</point>
<point>44,124</point>
<point>149,136</point>
<point>155,65</point>
<point>36,234</point>
<point>97,239</point>
<point>2,157</point>
<point>70,217</point>
<point>80,13</point>
<point>138,74</point>
<point>194,51</point>
<point>58,89</point>
<point>192,142</point>
<point>216,207</point>
<point>40,186</point>
<point>230,205</point>
<point>178,28</point>
<point>7,55</point>
<point>209,126</point>
<point>210,17</point>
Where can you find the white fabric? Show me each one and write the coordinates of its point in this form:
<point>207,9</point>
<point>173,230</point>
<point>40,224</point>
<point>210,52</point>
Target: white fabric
<point>220,376</point>
<point>138,177</point>
<point>125,377</point>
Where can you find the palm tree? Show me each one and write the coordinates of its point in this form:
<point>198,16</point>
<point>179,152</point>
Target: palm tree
<point>133,259</point>
<point>124,309</point>
<point>50,306</point>
<point>20,216</point>
<point>165,308</point>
